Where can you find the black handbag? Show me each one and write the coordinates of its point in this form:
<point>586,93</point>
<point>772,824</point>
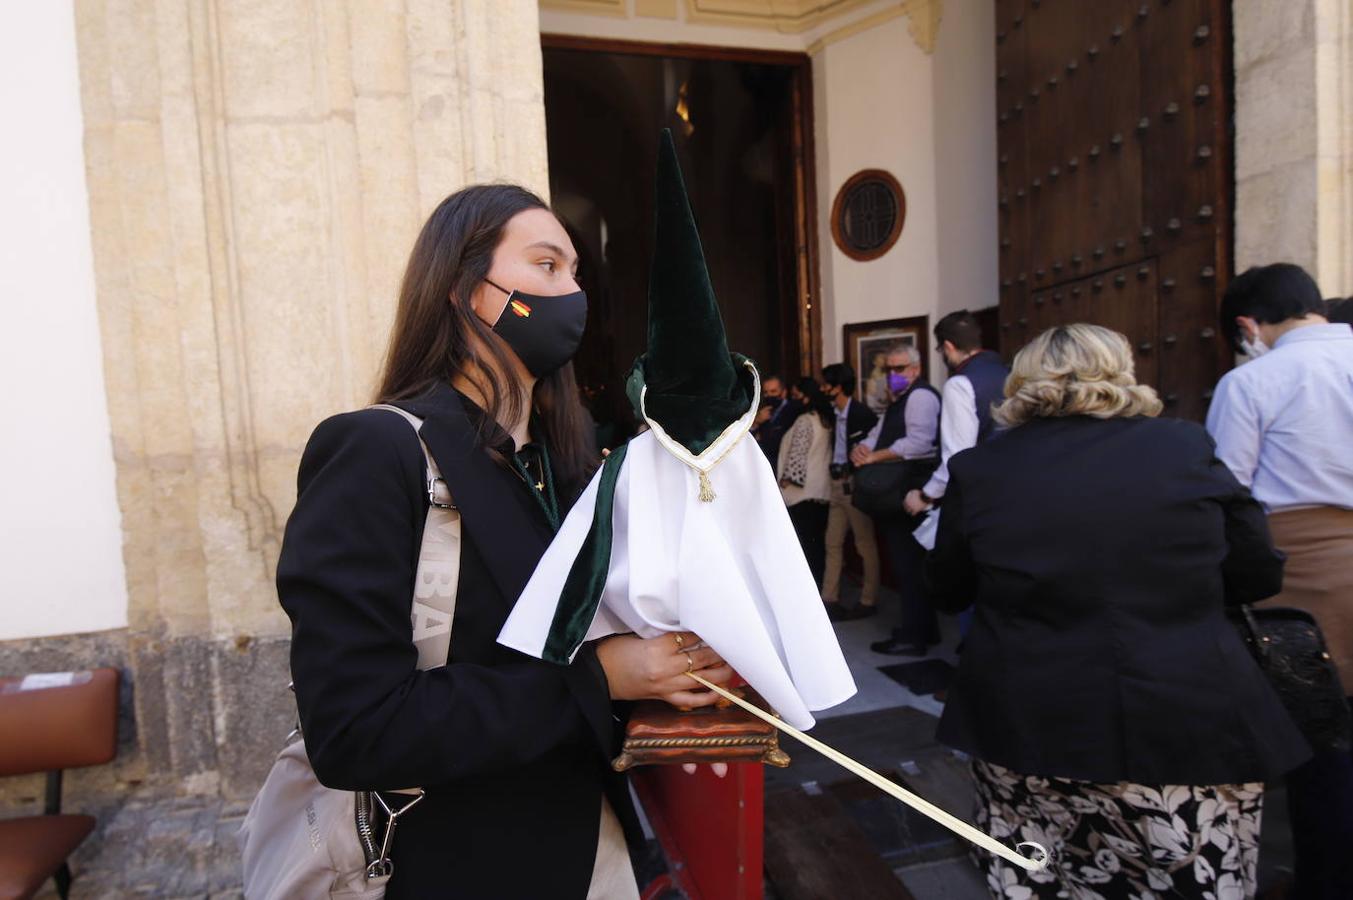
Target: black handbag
<point>1290,649</point>
<point>880,489</point>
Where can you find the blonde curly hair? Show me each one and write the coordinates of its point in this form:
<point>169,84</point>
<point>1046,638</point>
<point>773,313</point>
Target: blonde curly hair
<point>1074,370</point>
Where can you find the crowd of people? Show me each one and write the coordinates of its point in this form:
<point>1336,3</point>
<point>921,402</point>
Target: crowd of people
<point>819,436</point>
<point>1099,559</point>
<point>1095,553</point>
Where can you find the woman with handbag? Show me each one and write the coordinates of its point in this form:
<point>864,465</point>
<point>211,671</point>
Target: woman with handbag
<point>803,470</point>
<point>512,753</point>
<point>1110,708</point>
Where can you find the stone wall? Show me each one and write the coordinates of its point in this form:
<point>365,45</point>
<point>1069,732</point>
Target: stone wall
<point>257,171</point>
<point>1294,137</point>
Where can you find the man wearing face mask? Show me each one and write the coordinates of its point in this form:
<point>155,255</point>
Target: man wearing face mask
<point>854,422</point>
<point>777,414</point>
<point>976,382</point>
<point>1283,423</point>
<point>909,430</point>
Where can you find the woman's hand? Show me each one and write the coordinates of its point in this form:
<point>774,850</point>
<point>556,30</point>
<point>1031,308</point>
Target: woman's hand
<point>655,668</point>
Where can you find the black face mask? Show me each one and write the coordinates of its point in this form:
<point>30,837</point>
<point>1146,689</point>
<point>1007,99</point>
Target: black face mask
<point>544,332</point>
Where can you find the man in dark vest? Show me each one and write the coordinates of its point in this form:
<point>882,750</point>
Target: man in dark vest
<point>976,382</point>
<point>909,430</point>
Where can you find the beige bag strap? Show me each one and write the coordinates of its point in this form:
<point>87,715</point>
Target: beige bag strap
<point>438,575</point>
<point>336,848</point>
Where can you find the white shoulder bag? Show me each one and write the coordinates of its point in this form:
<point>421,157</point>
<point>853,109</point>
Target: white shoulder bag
<point>301,840</point>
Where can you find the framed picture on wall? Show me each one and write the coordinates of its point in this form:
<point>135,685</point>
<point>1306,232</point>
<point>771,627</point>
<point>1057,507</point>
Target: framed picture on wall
<point>867,345</point>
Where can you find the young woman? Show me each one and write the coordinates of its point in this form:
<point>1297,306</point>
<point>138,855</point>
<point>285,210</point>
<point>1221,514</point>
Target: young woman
<point>803,469</point>
<point>513,752</point>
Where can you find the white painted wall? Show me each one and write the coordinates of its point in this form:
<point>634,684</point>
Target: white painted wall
<point>930,120</point>
<point>875,110</point>
<point>61,569</point>
<point>964,86</point>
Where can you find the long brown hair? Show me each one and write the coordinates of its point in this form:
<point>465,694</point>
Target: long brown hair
<point>431,342</point>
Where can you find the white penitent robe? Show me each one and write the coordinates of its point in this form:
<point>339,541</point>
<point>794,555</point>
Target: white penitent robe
<point>729,570</point>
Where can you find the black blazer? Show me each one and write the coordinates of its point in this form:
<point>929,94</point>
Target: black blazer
<point>1100,555</point>
<point>514,752</point>
<point>860,420</point>
<point>771,433</point>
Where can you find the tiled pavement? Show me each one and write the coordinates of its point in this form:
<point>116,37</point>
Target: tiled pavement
<point>945,871</point>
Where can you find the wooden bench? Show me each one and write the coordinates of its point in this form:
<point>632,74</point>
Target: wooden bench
<point>50,723</point>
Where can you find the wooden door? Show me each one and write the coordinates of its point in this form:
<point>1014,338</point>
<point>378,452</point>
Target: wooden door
<point>1114,179</point>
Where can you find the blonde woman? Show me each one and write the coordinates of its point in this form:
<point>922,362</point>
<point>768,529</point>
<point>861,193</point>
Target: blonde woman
<point>1111,712</point>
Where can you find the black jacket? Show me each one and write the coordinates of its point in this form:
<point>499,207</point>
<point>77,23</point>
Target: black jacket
<point>1100,555</point>
<point>860,420</point>
<point>513,751</point>
<point>771,433</point>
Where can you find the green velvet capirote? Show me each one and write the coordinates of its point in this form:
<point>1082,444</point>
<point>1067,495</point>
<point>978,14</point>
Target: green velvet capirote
<point>696,388</point>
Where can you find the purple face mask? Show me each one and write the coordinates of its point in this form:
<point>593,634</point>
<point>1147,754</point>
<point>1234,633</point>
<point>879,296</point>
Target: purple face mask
<point>897,382</point>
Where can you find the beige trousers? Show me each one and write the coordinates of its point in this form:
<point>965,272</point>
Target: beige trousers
<point>1318,576</point>
<point>612,874</point>
<point>842,518</point>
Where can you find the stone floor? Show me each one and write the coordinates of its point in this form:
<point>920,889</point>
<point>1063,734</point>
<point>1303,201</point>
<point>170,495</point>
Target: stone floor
<point>952,876</point>
<point>167,849</point>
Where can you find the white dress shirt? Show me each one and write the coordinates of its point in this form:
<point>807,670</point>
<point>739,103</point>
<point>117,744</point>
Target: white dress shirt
<point>958,429</point>
<point>1283,423</point>
<point>840,451</point>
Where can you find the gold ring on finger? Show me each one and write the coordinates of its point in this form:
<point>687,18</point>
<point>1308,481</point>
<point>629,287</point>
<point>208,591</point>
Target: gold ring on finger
<point>680,641</point>
<point>690,663</point>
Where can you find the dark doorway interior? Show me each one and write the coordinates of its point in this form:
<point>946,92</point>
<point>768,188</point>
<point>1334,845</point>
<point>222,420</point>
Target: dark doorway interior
<point>738,125</point>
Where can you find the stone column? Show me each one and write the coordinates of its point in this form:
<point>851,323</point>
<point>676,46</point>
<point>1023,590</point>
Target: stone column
<point>257,172</point>
<point>1294,137</point>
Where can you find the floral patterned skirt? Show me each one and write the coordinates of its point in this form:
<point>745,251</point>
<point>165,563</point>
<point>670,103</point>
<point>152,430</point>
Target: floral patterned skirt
<point>1128,841</point>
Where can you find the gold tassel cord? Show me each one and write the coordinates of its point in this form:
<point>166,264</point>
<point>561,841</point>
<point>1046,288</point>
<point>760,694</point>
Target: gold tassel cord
<point>732,436</point>
<point>1039,861</point>
<point>707,494</point>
